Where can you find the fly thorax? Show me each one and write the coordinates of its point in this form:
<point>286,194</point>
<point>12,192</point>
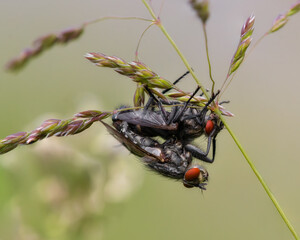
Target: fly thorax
<point>192,128</point>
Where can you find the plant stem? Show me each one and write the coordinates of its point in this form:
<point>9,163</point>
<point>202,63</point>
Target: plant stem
<point>162,28</point>
<point>139,42</point>
<point>260,179</point>
<point>115,18</point>
<point>217,111</point>
<point>207,56</point>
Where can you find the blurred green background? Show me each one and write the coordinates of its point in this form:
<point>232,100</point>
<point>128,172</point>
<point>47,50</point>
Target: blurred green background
<point>87,186</point>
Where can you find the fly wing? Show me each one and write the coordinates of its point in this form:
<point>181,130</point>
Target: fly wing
<point>132,147</point>
<point>146,119</point>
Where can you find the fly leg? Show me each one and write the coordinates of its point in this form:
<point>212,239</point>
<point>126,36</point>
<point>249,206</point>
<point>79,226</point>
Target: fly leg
<point>160,106</point>
<point>200,118</point>
<point>150,100</point>
<point>199,154</point>
<point>176,81</point>
<point>178,114</point>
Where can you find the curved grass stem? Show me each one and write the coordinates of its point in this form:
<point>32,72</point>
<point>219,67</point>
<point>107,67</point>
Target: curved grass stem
<point>207,57</point>
<point>251,164</point>
<point>115,18</point>
<point>139,42</point>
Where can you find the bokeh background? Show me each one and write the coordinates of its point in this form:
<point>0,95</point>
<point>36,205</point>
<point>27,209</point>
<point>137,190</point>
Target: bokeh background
<point>87,186</point>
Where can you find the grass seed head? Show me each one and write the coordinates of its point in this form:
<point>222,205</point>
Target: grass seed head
<point>92,114</point>
<point>245,40</point>
<point>137,71</point>
<point>279,22</point>
<point>53,127</point>
<point>202,9</point>
<point>41,44</point>
<point>248,28</point>
<point>294,8</point>
<point>139,96</point>
<point>282,19</point>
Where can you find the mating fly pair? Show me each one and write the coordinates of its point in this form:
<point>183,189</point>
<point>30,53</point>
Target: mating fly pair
<point>138,129</point>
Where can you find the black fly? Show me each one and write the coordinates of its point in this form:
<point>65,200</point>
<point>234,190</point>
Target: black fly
<point>184,123</point>
<point>170,159</point>
<point>178,127</point>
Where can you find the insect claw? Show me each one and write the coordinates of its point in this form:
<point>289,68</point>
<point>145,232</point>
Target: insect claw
<point>224,102</point>
<point>201,186</point>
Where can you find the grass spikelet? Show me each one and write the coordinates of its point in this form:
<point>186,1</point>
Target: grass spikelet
<point>137,71</point>
<point>11,141</point>
<point>294,9</point>
<point>41,44</point>
<point>201,8</point>
<point>139,96</point>
<point>282,19</point>
<point>53,127</point>
<point>279,22</point>
<point>245,40</point>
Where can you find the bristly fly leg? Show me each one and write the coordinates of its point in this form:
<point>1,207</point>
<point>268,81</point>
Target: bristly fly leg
<point>180,113</point>
<point>226,102</point>
<point>199,154</point>
<point>150,100</point>
<point>200,117</point>
<point>176,112</point>
<point>160,106</point>
<point>176,81</point>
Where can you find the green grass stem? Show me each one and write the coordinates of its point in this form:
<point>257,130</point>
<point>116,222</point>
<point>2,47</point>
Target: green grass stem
<point>207,57</point>
<point>260,179</point>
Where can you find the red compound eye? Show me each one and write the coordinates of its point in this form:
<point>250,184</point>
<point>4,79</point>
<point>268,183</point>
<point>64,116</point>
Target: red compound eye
<point>192,174</point>
<point>209,126</point>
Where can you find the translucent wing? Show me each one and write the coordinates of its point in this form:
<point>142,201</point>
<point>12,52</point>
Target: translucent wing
<point>150,119</point>
<point>135,148</point>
